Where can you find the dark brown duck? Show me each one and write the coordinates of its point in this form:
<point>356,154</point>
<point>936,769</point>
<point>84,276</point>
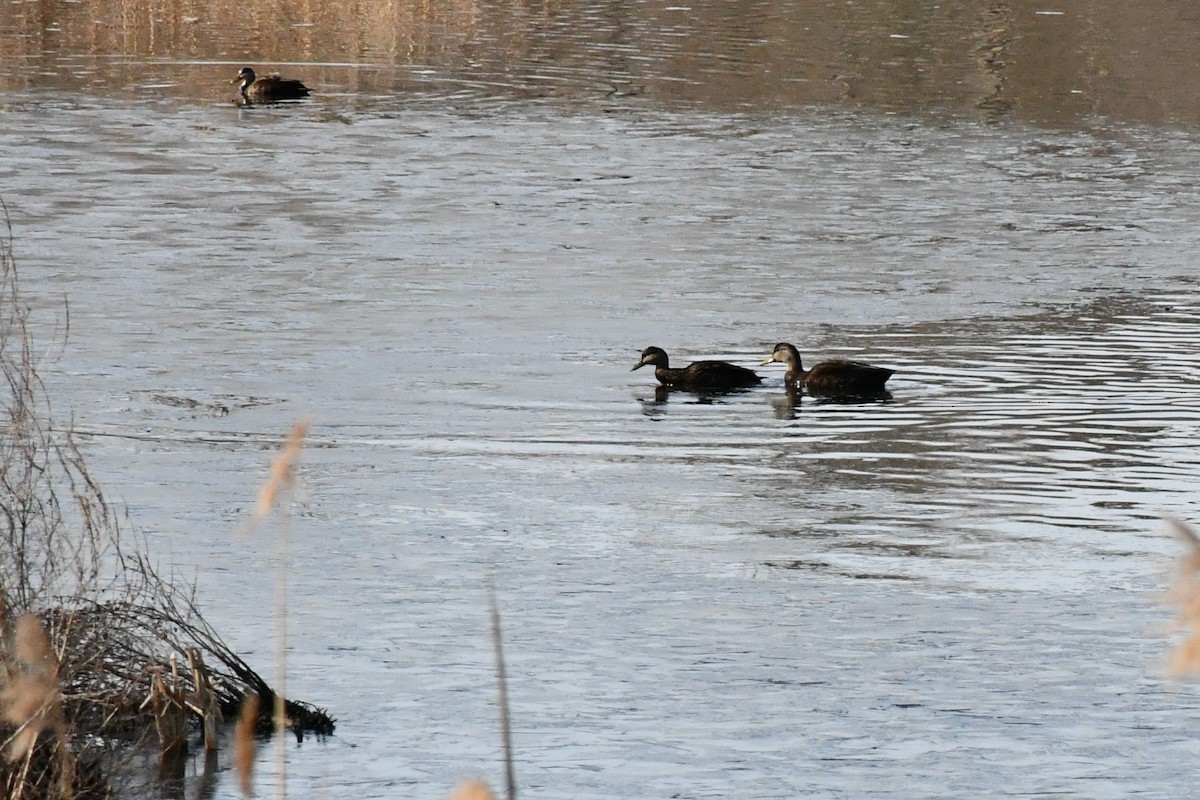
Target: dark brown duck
<point>269,89</point>
<point>830,377</point>
<point>699,374</point>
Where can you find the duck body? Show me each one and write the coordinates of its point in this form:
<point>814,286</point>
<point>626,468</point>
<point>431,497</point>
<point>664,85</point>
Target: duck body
<point>835,377</point>
<point>269,89</point>
<point>699,374</point>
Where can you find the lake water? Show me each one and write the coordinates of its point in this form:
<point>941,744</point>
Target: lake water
<point>453,255</point>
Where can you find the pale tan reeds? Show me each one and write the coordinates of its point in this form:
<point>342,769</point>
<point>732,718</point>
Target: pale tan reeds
<point>112,622</point>
<point>244,746</point>
<point>204,700</point>
<point>473,789</point>
<point>281,482</point>
<point>166,698</point>
<point>31,700</point>
<point>283,471</point>
<point>1184,659</point>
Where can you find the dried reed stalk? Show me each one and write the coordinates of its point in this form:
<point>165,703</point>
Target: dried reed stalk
<point>204,700</point>
<point>280,482</point>
<point>31,702</point>
<point>245,747</point>
<point>283,471</point>
<point>1184,660</point>
<point>473,789</point>
<point>170,715</point>
<point>510,777</point>
<point>30,699</point>
<point>111,622</point>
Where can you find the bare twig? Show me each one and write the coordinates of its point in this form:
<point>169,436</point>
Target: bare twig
<point>510,777</point>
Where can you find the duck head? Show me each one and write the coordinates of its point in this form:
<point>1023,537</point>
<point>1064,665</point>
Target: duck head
<point>652,355</point>
<point>245,78</point>
<point>785,353</point>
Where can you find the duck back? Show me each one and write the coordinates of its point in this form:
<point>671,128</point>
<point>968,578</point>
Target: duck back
<point>709,375</point>
<point>273,88</point>
<point>846,377</point>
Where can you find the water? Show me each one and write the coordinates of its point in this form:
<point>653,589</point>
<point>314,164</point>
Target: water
<point>954,592</point>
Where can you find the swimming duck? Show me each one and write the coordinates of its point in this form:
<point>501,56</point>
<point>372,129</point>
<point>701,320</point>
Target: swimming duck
<point>270,89</point>
<point>830,377</point>
<point>698,375</point>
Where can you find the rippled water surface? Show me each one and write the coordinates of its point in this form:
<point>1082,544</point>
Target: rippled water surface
<point>953,592</point>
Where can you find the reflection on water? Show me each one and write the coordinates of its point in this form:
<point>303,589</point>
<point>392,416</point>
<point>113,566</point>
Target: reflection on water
<point>993,60</point>
<point>788,404</point>
<point>1062,423</point>
<point>707,397</point>
<point>1052,430</point>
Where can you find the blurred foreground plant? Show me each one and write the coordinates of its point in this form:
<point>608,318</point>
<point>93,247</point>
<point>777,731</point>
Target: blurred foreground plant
<point>1184,660</point>
<point>101,655</point>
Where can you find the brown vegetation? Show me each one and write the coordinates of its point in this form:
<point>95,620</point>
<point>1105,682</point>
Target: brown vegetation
<point>100,655</point>
<point>472,790</point>
<point>1184,660</point>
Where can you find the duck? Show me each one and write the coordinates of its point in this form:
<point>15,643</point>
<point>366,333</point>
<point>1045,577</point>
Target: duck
<point>836,377</point>
<point>697,375</point>
<point>270,89</point>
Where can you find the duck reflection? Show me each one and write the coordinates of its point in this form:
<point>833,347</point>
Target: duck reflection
<point>787,405</point>
<point>657,406</point>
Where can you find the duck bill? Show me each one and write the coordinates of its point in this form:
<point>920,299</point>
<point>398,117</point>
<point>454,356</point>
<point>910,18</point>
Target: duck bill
<point>767,361</point>
<point>638,365</point>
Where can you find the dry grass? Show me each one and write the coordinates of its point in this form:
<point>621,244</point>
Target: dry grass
<point>282,478</point>
<point>280,483</point>
<point>473,789</point>
<point>245,746</point>
<point>93,640</point>
<point>30,699</point>
<point>1184,660</point>
<point>93,636</point>
<point>31,703</point>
